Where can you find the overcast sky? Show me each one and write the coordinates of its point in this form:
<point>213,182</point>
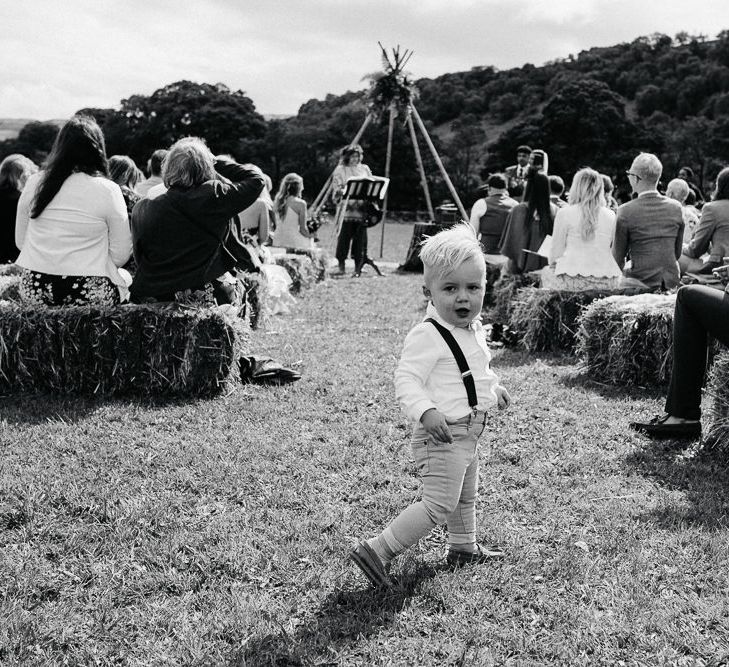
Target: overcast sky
<point>58,56</point>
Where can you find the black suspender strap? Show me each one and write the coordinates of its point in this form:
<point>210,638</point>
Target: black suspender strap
<point>466,374</point>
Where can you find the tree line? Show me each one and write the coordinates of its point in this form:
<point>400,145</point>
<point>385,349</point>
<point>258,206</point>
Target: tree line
<point>668,95</point>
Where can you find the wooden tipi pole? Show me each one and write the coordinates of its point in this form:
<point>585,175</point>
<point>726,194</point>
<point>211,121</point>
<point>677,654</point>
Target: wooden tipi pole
<point>421,169</point>
<point>438,161</point>
<point>324,192</point>
<point>388,158</point>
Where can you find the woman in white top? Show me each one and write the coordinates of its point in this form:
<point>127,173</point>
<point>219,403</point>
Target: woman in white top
<point>71,226</point>
<point>582,239</point>
<point>256,219</point>
<point>290,210</point>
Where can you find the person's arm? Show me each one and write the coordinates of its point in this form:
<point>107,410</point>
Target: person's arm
<point>419,356</point>
<point>702,235</point>
<point>622,239</point>
<point>477,212</point>
<point>263,229</point>
<point>22,214</point>
<point>120,235</point>
<point>337,184</point>
<point>678,244</point>
<point>240,189</point>
<point>299,205</point>
<point>559,237</point>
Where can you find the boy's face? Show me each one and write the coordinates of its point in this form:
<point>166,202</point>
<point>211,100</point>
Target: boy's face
<point>458,294</point>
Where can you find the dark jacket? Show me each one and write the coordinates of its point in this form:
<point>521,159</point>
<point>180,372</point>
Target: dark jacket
<point>492,223</point>
<point>522,235</point>
<point>650,230</point>
<point>8,211</point>
<point>712,233</point>
<point>178,237</point>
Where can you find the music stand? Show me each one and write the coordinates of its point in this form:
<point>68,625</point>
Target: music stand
<point>365,190</point>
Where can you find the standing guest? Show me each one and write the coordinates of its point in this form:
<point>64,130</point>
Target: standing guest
<point>712,233</point>
<point>290,211</point>
<point>679,190</point>
<point>125,174</point>
<point>154,167</point>
<point>582,240</point>
<point>649,228</point>
<point>352,237</point>
<point>187,239</point>
<point>15,170</point>
<point>72,227</point>
<point>556,189</point>
<point>258,219</point>
<point>527,226</point>
<point>687,174</point>
<point>448,411</point>
<point>516,174</point>
<point>701,313</point>
<point>610,200</point>
<point>489,214</point>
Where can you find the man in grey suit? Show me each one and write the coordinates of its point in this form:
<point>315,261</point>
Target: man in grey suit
<point>649,229</point>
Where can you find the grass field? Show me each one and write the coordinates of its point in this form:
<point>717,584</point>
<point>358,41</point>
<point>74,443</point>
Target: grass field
<point>216,531</point>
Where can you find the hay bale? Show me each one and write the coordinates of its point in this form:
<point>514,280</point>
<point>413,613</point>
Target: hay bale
<point>504,292</point>
<point>717,388</point>
<point>10,270</point>
<point>300,268</point>
<point>319,258</point>
<point>152,350</point>
<point>257,310</point>
<point>9,287</point>
<point>627,340</point>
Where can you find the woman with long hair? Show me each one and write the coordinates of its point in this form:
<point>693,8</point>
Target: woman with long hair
<point>126,175</point>
<point>72,227</point>
<point>528,224</point>
<point>15,170</point>
<point>582,239</point>
<point>290,211</point>
<point>711,235</point>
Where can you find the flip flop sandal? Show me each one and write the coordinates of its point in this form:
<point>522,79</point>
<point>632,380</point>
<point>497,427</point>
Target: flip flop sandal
<point>365,558</point>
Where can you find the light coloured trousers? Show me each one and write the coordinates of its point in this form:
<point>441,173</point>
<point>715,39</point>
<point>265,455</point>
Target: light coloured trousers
<point>450,482</point>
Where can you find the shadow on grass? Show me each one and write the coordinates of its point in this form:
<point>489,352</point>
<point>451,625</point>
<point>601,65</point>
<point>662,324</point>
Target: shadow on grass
<point>343,617</point>
<point>33,409</point>
<point>515,356</point>
<point>702,475</point>
<point>580,380</point>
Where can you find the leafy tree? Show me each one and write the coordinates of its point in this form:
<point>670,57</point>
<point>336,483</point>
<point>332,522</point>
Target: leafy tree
<point>34,140</point>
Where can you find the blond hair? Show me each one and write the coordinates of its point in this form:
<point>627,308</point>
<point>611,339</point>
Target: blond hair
<point>448,249</point>
<point>588,193</point>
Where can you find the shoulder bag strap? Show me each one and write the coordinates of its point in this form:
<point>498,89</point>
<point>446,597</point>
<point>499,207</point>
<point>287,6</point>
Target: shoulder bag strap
<point>466,374</point>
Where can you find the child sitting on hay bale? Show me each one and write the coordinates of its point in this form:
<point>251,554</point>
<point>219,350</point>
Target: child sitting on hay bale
<point>447,400</point>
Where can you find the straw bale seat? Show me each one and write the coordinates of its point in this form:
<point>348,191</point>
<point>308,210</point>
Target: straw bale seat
<point>504,293</point>
<point>717,391</point>
<point>300,268</point>
<point>153,350</point>
<point>627,340</point>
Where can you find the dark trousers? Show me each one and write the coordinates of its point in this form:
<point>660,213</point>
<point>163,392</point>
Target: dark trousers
<point>700,312</point>
<point>352,232</point>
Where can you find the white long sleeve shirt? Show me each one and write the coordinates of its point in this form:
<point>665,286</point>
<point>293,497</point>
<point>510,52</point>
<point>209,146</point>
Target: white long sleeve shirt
<point>427,375</point>
<point>83,231</point>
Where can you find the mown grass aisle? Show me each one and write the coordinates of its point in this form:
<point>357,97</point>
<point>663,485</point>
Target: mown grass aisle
<point>215,532</point>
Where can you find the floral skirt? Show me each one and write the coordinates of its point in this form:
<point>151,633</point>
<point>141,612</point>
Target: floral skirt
<point>45,289</point>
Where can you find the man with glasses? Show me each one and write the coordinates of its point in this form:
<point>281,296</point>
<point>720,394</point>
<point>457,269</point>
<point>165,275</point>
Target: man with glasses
<point>649,229</point>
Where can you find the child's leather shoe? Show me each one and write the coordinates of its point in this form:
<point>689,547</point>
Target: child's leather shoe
<point>481,555</point>
<point>365,558</point>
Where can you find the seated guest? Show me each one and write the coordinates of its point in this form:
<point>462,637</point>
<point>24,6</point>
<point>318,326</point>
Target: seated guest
<point>556,188</point>
<point>154,167</point>
<point>257,219</point>
<point>527,226</point>
<point>678,189</point>
<point>187,238</point>
<point>687,174</point>
<point>15,170</point>
<point>582,240</point>
<point>712,233</point>
<point>72,227</point>
<point>290,210</point>
<point>610,200</point>
<point>125,174</point>
<point>488,215</point>
<point>649,228</point>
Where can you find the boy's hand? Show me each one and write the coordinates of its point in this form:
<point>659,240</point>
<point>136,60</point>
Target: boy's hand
<point>502,396</point>
<point>435,425</point>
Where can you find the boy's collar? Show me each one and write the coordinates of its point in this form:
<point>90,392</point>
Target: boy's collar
<point>431,311</point>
